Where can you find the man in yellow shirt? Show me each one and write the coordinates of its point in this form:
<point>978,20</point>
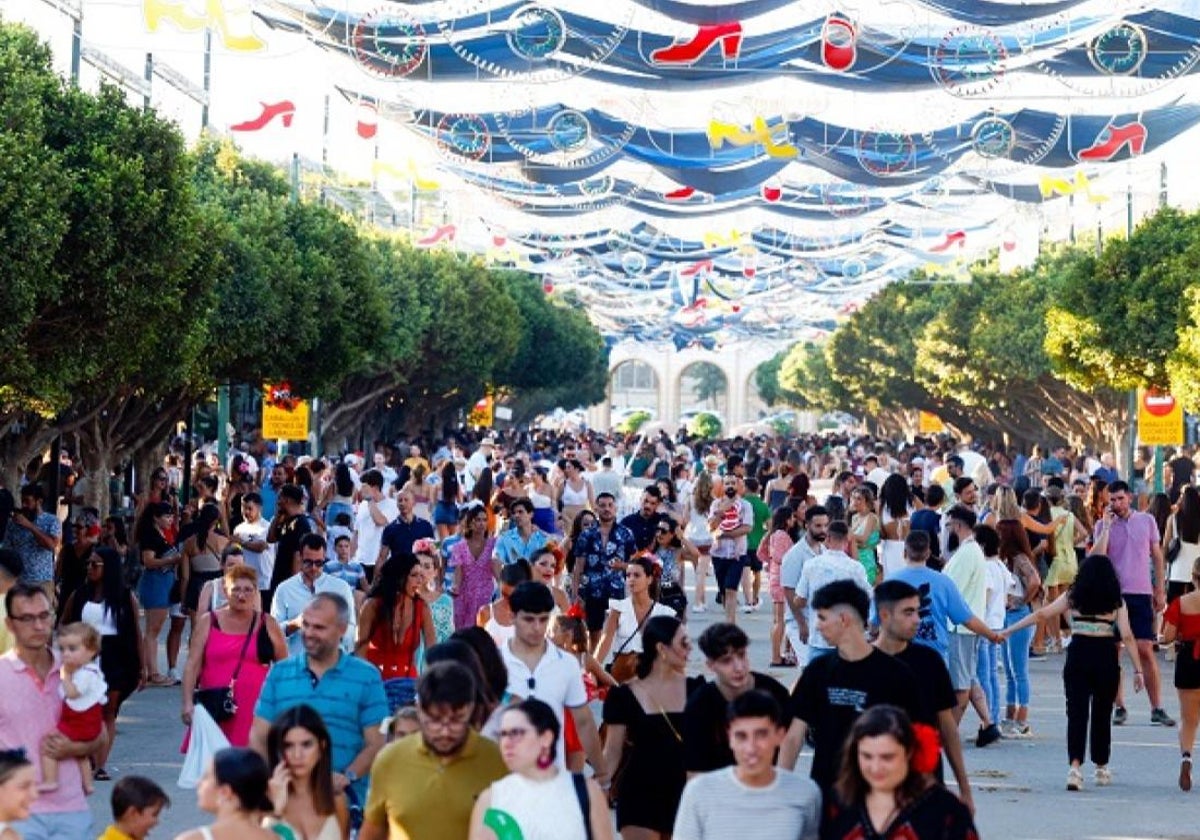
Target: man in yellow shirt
<point>10,570</point>
<point>423,787</point>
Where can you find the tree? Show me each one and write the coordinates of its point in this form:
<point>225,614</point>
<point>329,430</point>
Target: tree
<point>769,384</point>
<point>708,382</point>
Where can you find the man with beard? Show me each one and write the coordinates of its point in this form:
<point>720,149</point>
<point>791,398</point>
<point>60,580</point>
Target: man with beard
<point>34,534</point>
<point>426,786</point>
<point>347,692</point>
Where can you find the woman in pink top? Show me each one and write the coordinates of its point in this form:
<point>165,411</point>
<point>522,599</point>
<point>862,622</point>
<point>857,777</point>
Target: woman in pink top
<point>475,570</point>
<point>777,542</point>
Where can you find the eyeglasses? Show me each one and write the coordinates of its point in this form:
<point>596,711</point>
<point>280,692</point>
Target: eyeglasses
<point>308,564</point>
<point>94,563</point>
<point>33,618</point>
<point>517,733</point>
<point>245,591</point>
<point>664,530</point>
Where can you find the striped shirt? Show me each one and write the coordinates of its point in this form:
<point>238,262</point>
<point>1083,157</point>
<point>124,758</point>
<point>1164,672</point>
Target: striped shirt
<point>349,697</point>
<point>716,805</point>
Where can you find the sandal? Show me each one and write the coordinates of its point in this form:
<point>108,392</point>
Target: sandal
<point>782,663</point>
<point>101,775</point>
<point>160,680</point>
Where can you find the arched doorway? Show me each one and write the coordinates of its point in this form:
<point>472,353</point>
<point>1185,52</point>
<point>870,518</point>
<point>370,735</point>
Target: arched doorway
<point>633,385</point>
<point>756,407</point>
<point>703,386</point>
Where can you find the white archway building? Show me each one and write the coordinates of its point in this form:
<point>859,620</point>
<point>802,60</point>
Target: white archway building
<point>661,392</point>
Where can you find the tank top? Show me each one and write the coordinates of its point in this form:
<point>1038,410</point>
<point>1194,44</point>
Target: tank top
<point>574,498</point>
<point>544,810</point>
<point>499,633</point>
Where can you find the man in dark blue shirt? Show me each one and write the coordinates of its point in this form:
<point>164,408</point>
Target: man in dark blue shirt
<point>399,536</point>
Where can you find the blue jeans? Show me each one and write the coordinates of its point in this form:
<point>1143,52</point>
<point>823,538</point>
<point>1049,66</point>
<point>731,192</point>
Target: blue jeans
<point>989,680</point>
<point>1016,659</point>
<point>64,825</point>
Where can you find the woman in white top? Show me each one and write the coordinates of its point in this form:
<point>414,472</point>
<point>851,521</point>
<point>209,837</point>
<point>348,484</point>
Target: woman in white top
<point>894,512</point>
<point>623,627</point>
<point>700,535</point>
<point>1185,524</point>
<point>301,787</point>
<point>234,790</point>
<point>537,799</point>
<point>574,492</point>
<point>18,790</point>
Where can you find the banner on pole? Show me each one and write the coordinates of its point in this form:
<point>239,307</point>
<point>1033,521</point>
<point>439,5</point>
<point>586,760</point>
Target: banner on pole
<point>1160,419</point>
<point>284,416</point>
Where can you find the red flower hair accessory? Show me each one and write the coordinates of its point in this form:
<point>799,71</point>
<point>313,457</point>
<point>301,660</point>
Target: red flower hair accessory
<point>576,611</point>
<point>926,748</point>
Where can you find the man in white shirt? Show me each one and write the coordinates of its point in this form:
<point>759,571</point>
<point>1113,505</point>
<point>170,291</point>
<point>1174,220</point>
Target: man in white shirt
<point>480,460</point>
<point>830,565</point>
<point>816,530</point>
<point>375,512</point>
<point>539,669</point>
<point>251,535</point>
<point>753,799</point>
<point>295,594</point>
<point>606,479</point>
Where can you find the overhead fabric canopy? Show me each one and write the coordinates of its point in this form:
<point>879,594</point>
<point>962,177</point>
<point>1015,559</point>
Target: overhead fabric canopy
<point>700,173</point>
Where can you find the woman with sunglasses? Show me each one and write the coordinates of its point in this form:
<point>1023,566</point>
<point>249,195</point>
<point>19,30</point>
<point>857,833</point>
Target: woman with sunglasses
<point>106,603</point>
<point>673,549</point>
<point>543,801</point>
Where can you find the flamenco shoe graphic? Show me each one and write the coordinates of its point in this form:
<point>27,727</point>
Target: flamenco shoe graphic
<point>729,34</point>
<point>1133,133</point>
<point>284,109</point>
<point>681,194</point>
<point>839,43</point>
<point>958,237</point>
<point>446,232</point>
<point>156,11</point>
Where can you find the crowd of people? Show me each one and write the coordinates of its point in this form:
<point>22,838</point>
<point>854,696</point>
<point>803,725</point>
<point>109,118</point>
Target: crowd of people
<point>492,641</point>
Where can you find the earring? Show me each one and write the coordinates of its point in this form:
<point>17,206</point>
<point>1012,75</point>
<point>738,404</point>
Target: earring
<point>544,760</point>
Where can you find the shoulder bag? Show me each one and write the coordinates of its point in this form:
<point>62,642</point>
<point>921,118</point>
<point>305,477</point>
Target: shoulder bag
<point>624,665</point>
<point>219,701</point>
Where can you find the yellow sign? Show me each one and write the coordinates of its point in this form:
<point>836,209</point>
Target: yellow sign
<point>930,424</point>
<point>482,413</point>
<point>284,416</point>
<point>1160,419</point>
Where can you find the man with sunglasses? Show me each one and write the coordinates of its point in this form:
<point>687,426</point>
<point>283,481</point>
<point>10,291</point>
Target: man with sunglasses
<point>295,594</point>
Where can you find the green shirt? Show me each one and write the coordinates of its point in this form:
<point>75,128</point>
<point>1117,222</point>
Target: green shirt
<point>762,518</point>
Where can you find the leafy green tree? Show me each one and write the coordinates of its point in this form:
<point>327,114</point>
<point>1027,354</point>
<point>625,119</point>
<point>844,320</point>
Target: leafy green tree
<point>705,426</point>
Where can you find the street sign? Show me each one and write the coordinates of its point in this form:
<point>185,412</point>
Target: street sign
<point>1160,419</point>
<point>284,416</point>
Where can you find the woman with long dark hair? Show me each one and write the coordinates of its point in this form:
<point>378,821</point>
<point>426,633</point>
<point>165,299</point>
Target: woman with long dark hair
<point>884,790</point>
<point>779,541</point>
<point>622,634</point>
<point>496,618</point>
<point>1024,588</point>
<point>393,623</point>
<point>234,790</point>
<point>449,496</point>
<point>646,717</point>
<point>1091,674</point>
<point>107,604</point>
<point>895,508</point>
<point>301,787</point>
<point>338,497</point>
<point>475,567</point>
<point>201,557</point>
<point>160,558</point>
<point>1184,524</point>
<point>1181,630</point>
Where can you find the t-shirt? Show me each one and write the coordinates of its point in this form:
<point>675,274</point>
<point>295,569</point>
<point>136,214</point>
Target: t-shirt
<point>734,547</point>
<point>935,692</point>
<point>399,536</point>
<point>37,559</point>
<point>832,692</point>
<point>762,517</point>
<point>967,567</point>
<point>705,724</point>
<point>824,569</point>
<point>288,547</point>
<point>998,580</point>
<point>716,805</point>
<point>262,562</point>
<point>1129,547</point>
<point>370,534</point>
<point>929,521</point>
<point>941,604</point>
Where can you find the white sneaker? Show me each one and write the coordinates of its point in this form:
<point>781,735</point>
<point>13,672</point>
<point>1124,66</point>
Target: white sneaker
<point>1103,777</point>
<point>747,609</point>
<point>1074,779</point>
<point>697,608</point>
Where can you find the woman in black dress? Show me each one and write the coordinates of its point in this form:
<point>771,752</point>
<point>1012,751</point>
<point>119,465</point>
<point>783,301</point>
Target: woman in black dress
<point>106,603</point>
<point>644,725</point>
<point>884,790</point>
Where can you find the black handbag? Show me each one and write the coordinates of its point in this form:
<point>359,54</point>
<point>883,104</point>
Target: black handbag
<point>219,702</point>
<point>1173,548</point>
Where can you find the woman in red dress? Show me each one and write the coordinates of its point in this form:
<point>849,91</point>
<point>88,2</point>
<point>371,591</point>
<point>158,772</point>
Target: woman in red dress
<point>393,623</point>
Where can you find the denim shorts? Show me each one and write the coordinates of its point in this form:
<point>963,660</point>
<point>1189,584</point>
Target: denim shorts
<point>154,589</point>
<point>728,571</point>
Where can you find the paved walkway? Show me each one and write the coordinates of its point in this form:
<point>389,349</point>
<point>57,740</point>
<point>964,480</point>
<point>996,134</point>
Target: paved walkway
<point>1020,785</point>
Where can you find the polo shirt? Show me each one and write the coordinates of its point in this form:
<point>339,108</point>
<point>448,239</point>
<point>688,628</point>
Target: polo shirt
<point>292,597</point>
<point>349,697</point>
<point>399,536</point>
<point>425,797</point>
<point>30,711</point>
<point>556,680</point>
<point>1129,545</point>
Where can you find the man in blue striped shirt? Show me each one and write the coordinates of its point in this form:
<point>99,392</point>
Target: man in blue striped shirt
<point>347,692</point>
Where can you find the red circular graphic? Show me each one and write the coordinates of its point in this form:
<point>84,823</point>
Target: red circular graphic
<point>1158,404</point>
<point>389,42</point>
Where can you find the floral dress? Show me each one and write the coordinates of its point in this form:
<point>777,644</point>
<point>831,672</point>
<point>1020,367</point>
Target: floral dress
<point>478,584</point>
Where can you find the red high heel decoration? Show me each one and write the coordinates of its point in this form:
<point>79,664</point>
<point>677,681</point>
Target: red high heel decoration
<point>681,194</point>
<point>958,237</point>
<point>695,268</point>
<point>285,109</point>
<point>839,43</point>
<point>1133,133</point>
<point>446,232</point>
<point>729,34</point>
